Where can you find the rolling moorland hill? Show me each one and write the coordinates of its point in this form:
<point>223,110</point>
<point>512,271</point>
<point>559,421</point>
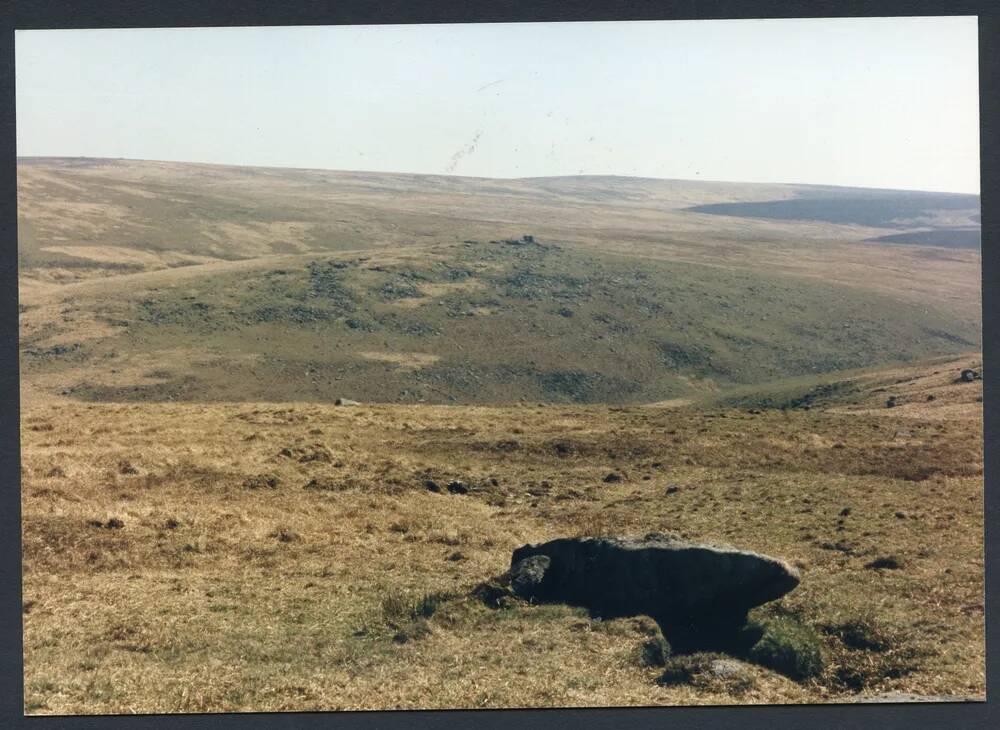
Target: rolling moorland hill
<point>170,281</point>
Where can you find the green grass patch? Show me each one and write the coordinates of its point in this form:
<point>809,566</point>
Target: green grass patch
<point>789,647</point>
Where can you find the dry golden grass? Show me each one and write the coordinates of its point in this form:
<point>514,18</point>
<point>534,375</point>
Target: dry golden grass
<point>220,593</point>
<point>247,557</point>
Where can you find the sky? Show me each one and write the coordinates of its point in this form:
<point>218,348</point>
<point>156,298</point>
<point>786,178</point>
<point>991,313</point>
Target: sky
<point>871,102</point>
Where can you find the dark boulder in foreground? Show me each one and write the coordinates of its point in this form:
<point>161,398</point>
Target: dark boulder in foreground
<point>699,594</point>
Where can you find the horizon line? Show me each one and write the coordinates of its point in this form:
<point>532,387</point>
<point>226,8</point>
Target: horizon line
<point>19,158</point>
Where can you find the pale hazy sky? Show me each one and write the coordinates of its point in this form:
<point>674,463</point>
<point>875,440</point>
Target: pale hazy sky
<point>880,102</point>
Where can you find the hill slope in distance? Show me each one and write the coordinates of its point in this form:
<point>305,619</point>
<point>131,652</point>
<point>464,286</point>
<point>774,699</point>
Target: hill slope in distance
<point>166,281</point>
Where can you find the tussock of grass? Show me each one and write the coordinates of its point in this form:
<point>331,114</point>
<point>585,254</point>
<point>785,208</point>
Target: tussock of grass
<point>872,651</point>
<point>406,616</point>
<point>865,631</point>
<point>790,648</point>
<point>399,606</point>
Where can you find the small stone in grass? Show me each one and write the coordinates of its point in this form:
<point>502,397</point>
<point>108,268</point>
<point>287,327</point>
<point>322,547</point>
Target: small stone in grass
<point>323,484</point>
<point>888,562</point>
<point>261,481</point>
<point>726,668</point>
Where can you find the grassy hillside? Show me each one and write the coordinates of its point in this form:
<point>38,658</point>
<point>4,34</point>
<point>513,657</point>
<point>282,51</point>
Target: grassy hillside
<point>170,281</point>
<point>227,557</point>
<point>476,322</point>
<point>81,219</point>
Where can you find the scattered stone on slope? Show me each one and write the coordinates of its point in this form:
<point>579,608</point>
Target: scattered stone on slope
<point>968,375</point>
<point>261,481</point>
<point>113,524</point>
<point>346,402</point>
<point>323,484</point>
<point>888,562</point>
<point>699,594</point>
<point>305,454</point>
<point>726,668</point>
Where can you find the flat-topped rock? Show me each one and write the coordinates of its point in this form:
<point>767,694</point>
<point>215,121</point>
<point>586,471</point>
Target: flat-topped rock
<point>699,593</point>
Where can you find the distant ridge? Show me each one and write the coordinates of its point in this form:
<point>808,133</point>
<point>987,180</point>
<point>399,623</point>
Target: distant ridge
<point>593,177</point>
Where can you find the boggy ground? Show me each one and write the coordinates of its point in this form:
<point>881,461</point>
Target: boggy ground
<point>242,557</point>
